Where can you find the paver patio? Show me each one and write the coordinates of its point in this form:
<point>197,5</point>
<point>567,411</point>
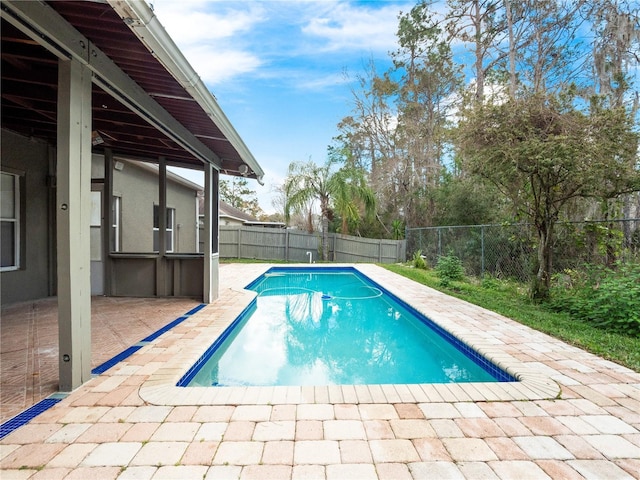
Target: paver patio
<point>131,422</point>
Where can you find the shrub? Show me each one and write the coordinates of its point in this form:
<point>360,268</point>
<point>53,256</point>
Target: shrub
<point>607,298</point>
<point>418,260</point>
<point>449,268</point>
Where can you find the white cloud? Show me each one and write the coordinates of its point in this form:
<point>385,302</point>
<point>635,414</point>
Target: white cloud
<point>307,79</point>
<point>193,22</point>
<point>320,82</point>
<point>225,39</point>
<point>216,66</point>
<point>210,35</point>
<point>346,26</point>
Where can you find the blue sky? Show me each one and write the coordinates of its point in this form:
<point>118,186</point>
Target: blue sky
<point>277,68</point>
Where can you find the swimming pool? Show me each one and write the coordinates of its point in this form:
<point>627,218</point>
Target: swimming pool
<point>334,326</point>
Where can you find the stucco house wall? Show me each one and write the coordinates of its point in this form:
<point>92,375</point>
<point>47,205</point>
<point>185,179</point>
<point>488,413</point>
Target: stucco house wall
<point>137,188</point>
<point>33,161</point>
<point>30,159</point>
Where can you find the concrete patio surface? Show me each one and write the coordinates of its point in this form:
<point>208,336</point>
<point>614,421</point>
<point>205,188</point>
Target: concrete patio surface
<point>573,415</point>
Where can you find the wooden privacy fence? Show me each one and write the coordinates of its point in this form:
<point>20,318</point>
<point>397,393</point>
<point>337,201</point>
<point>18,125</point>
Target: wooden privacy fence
<point>296,246</point>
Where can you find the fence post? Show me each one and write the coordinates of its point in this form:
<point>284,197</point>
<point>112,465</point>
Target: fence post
<point>439,242</point>
<point>482,251</point>
<point>239,242</point>
<point>380,251</point>
<point>286,245</point>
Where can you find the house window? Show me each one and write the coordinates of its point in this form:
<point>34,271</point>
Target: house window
<point>170,224</point>
<point>9,222</point>
<point>115,226</point>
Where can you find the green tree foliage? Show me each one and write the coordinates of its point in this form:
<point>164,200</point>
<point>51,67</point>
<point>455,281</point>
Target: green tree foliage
<point>344,189</point>
<point>495,110</point>
<point>616,49</point>
<point>546,140</point>
<point>399,126</point>
<point>397,229</point>
<point>236,192</point>
<point>541,152</point>
<point>466,200</point>
<point>352,195</point>
<point>428,79</point>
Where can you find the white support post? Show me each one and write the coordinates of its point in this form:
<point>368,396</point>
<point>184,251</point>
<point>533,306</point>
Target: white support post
<point>210,234</point>
<point>73,218</point>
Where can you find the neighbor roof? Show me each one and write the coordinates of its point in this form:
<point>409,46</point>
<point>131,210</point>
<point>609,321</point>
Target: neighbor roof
<point>123,44</point>
<point>227,210</point>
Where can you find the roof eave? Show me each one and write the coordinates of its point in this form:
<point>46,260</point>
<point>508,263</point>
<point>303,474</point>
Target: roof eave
<point>146,26</point>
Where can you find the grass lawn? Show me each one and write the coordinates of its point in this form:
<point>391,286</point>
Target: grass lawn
<point>511,300</point>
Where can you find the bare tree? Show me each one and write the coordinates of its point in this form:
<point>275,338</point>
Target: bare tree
<point>477,23</point>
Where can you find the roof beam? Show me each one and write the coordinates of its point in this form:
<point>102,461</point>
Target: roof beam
<point>43,24</point>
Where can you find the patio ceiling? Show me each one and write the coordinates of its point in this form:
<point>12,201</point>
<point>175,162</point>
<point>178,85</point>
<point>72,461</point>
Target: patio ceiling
<point>120,33</point>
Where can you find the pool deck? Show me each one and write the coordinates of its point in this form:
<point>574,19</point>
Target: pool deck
<point>572,415</point>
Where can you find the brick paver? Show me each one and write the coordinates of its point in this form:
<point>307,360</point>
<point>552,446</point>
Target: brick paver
<point>278,453</point>
<point>394,451</point>
<point>282,430</point>
<point>344,430</point>
<point>322,452</point>
<point>107,430</point>
<point>112,454</point>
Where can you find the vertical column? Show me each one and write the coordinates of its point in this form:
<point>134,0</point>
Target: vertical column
<point>73,217</point>
<point>107,222</point>
<point>210,234</point>
<point>215,216</point>
<point>161,281</point>
<point>286,244</point>
<point>52,213</point>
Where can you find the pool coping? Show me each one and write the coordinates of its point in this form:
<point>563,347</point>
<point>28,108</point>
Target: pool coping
<point>206,325</point>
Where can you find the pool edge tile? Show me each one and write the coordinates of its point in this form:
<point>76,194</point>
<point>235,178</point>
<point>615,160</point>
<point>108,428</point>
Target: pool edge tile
<point>161,389</point>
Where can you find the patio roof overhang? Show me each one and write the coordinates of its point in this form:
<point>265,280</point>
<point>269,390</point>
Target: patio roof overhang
<point>147,100</point>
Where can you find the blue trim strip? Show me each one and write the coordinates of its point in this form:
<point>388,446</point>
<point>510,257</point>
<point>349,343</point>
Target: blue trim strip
<point>133,349</point>
<point>115,360</point>
<point>164,329</point>
<point>195,309</point>
<point>25,417</point>
<point>195,368</point>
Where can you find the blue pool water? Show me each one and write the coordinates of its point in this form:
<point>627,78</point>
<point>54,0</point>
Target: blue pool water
<point>334,326</point>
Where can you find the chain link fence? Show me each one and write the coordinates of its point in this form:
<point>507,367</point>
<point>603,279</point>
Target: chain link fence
<point>510,251</point>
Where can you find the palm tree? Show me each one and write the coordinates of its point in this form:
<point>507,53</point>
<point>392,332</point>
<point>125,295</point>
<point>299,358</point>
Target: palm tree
<point>353,195</point>
<point>345,187</point>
